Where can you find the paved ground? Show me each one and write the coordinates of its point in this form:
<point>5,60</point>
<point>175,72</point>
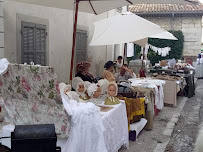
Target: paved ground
<point>174,134</point>
<point>185,132</point>
<point>157,139</point>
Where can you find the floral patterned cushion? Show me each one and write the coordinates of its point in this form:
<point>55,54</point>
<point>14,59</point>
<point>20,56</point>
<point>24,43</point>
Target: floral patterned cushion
<point>31,95</point>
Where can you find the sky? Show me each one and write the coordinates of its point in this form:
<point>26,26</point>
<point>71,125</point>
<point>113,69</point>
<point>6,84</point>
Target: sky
<point>201,1</point>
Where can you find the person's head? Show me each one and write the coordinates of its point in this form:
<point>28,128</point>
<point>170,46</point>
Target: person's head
<point>109,66</point>
<point>120,58</point>
<point>112,89</point>
<point>123,69</point>
<point>83,68</point>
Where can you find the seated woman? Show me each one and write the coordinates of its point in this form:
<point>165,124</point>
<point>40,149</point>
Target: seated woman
<point>109,67</point>
<point>82,71</point>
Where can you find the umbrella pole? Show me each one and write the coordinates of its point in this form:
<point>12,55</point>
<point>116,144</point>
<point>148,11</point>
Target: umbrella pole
<point>124,54</point>
<point>74,39</point>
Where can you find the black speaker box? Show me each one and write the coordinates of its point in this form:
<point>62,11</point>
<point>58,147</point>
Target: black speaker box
<point>34,138</point>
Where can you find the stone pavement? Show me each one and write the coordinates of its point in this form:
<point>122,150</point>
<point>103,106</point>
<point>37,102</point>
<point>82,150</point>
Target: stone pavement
<point>157,139</point>
<point>185,132</point>
<point>178,132</point>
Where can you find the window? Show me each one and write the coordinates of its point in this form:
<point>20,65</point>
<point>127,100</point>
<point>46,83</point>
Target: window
<point>33,43</point>
<point>81,45</point>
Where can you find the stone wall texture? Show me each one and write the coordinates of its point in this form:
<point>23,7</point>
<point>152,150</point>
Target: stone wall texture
<point>191,28</point>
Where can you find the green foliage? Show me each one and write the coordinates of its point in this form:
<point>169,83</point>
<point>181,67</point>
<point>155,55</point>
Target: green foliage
<point>176,47</point>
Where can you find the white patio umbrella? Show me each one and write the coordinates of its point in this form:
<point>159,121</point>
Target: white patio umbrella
<point>88,6</point>
<point>126,28</point>
<point>165,35</point>
<point>99,6</point>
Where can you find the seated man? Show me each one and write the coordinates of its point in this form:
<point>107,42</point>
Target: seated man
<point>124,74</point>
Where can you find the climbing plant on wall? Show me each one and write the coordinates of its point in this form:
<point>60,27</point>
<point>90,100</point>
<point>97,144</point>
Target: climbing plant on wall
<point>176,47</point>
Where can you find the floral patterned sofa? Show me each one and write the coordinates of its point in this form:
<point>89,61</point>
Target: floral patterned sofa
<point>31,96</point>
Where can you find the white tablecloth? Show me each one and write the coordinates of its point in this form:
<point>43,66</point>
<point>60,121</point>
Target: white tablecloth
<point>154,84</point>
<point>116,127</point>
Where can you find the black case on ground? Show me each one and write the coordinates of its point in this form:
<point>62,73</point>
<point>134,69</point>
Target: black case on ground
<point>34,138</point>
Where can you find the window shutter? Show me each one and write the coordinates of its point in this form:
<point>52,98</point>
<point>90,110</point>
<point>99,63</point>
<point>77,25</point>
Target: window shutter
<point>33,43</point>
<point>81,45</point>
<point>28,42</point>
<point>40,39</point>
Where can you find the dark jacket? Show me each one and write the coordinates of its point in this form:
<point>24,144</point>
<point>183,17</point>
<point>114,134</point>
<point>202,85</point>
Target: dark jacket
<point>87,77</point>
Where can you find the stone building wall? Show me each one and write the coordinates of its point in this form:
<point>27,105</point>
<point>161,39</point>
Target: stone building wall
<point>191,27</point>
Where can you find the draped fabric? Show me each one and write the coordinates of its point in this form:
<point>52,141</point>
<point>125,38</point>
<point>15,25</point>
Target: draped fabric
<point>161,51</point>
<point>151,84</point>
<point>147,93</point>
<point>87,130</point>
<point>116,127</point>
<point>31,95</point>
<point>130,49</point>
<point>134,107</point>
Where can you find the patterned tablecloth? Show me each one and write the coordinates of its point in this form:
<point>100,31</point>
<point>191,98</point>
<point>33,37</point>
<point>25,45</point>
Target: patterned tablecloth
<point>134,107</point>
